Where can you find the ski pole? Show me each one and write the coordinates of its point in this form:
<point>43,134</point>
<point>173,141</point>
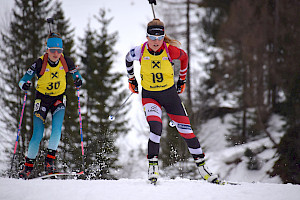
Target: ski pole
<point>19,129</point>
<point>112,117</point>
<point>80,123</point>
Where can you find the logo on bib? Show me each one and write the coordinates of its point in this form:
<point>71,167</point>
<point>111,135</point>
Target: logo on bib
<point>155,64</point>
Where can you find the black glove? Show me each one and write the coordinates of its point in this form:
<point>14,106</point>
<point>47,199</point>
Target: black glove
<point>180,86</point>
<point>152,1</point>
<point>133,85</point>
<point>26,86</point>
<point>78,82</point>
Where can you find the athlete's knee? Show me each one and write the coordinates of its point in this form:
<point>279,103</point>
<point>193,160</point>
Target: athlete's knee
<point>60,110</point>
<point>155,127</point>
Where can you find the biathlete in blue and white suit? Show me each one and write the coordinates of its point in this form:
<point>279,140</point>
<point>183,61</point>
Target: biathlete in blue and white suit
<point>158,90</point>
<point>50,71</point>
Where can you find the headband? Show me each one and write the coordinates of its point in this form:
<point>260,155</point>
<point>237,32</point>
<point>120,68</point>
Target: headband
<point>156,30</point>
<point>54,42</point>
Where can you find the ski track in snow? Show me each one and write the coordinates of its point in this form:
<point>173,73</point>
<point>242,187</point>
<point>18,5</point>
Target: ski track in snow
<point>140,189</point>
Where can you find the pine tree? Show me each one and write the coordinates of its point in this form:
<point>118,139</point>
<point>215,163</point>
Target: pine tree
<point>287,54</point>
<point>22,45</point>
<point>102,95</point>
<point>257,41</point>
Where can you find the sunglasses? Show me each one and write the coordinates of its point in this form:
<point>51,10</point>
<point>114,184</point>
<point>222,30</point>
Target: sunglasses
<point>154,37</point>
<point>53,50</point>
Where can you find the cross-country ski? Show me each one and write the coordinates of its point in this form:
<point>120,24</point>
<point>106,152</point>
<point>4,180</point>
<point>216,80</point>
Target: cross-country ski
<point>54,175</point>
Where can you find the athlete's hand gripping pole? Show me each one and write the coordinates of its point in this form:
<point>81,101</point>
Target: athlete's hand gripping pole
<point>133,85</point>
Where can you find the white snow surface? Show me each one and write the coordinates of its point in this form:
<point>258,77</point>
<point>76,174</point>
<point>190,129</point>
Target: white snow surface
<point>254,184</point>
<point>139,189</point>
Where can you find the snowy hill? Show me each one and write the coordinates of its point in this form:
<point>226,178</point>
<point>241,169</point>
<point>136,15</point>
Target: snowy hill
<point>137,189</point>
<point>231,162</point>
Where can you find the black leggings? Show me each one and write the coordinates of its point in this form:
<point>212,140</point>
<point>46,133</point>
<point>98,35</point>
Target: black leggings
<point>153,101</point>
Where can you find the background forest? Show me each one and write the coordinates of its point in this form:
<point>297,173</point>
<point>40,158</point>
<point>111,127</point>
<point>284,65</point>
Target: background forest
<point>243,62</point>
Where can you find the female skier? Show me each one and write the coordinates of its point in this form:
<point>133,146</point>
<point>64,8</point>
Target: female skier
<point>50,70</point>
<point>158,90</point>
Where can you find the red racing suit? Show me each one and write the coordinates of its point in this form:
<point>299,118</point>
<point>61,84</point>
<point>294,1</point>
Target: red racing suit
<point>157,79</point>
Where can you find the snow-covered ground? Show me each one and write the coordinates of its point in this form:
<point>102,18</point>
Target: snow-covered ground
<point>230,162</point>
<point>221,159</point>
<point>139,189</point>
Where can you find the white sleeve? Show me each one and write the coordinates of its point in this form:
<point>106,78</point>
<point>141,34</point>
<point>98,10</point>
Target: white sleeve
<point>134,54</point>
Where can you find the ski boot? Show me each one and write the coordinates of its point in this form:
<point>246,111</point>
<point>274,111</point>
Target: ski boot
<point>153,170</point>
<point>50,162</point>
<point>25,173</point>
<point>205,173</point>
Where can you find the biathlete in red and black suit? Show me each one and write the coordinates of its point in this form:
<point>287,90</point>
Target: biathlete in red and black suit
<point>158,90</point>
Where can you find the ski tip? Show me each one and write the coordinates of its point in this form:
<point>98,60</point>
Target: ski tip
<point>223,182</point>
<point>231,183</point>
<point>54,175</point>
